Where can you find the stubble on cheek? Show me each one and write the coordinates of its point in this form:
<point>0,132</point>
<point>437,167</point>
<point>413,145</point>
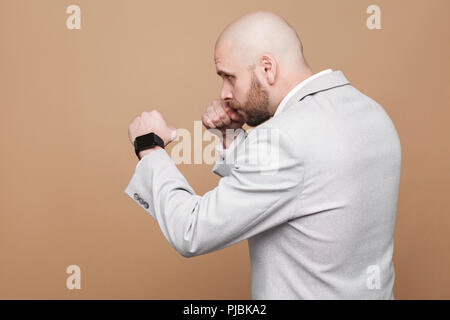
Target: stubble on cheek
<point>257,104</point>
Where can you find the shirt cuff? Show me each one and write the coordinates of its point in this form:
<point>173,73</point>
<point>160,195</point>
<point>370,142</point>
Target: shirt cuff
<point>239,135</point>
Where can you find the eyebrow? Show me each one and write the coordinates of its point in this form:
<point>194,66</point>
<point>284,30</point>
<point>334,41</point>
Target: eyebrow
<point>223,73</point>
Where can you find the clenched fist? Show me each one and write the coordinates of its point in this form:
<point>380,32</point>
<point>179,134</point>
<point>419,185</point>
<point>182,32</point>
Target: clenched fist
<point>152,121</point>
<point>220,116</point>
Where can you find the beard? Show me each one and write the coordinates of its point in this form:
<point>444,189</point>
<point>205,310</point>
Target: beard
<point>256,108</point>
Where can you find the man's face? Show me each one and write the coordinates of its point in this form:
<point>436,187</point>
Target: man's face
<point>241,89</point>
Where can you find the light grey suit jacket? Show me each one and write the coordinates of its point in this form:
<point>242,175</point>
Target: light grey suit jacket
<point>318,207</point>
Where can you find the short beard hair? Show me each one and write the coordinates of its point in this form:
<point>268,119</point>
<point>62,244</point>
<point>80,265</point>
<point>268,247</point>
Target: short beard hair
<point>256,108</point>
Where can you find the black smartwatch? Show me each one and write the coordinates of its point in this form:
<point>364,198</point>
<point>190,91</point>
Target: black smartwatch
<point>147,141</point>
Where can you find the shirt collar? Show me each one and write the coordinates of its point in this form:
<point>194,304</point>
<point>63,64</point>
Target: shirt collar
<point>296,88</point>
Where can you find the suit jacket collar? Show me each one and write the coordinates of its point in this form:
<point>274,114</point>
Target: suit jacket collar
<point>325,82</point>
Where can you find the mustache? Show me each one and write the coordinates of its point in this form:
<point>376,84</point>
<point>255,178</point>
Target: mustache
<point>233,105</point>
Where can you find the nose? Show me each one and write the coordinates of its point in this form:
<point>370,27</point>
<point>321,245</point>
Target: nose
<point>226,93</point>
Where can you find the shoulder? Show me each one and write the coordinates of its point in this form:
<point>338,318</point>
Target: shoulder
<point>277,136</point>
<point>291,121</point>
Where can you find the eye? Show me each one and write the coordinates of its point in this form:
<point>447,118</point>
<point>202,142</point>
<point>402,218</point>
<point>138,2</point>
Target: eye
<point>229,77</point>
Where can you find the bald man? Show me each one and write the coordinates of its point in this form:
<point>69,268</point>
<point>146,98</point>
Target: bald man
<point>313,187</point>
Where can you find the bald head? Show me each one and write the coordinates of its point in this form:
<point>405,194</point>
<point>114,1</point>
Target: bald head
<point>263,32</point>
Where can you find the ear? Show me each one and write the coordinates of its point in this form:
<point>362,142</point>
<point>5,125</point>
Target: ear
<point>269,68</point>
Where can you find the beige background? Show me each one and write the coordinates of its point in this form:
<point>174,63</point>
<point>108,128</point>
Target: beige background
<point>68,96</point>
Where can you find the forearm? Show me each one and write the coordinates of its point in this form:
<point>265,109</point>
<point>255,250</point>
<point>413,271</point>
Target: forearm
<point>226,151</point>
<point>227,141</point>
<point>169,198</point>
<point>192,224</point>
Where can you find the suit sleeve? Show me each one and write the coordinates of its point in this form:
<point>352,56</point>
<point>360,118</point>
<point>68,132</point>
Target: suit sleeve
<point>262,191</point>
<point>227,157</point>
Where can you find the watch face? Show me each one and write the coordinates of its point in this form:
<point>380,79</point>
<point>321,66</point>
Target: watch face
<point>147,141</point>
<point>144,142</point>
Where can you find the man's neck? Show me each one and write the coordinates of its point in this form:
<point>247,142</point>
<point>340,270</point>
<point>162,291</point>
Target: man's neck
<point>291,84</point>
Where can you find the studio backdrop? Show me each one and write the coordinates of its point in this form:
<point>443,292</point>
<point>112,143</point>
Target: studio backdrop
<point>74,74</point>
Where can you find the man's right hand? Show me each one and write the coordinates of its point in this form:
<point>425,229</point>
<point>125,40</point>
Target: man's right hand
<point>220,116</point>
